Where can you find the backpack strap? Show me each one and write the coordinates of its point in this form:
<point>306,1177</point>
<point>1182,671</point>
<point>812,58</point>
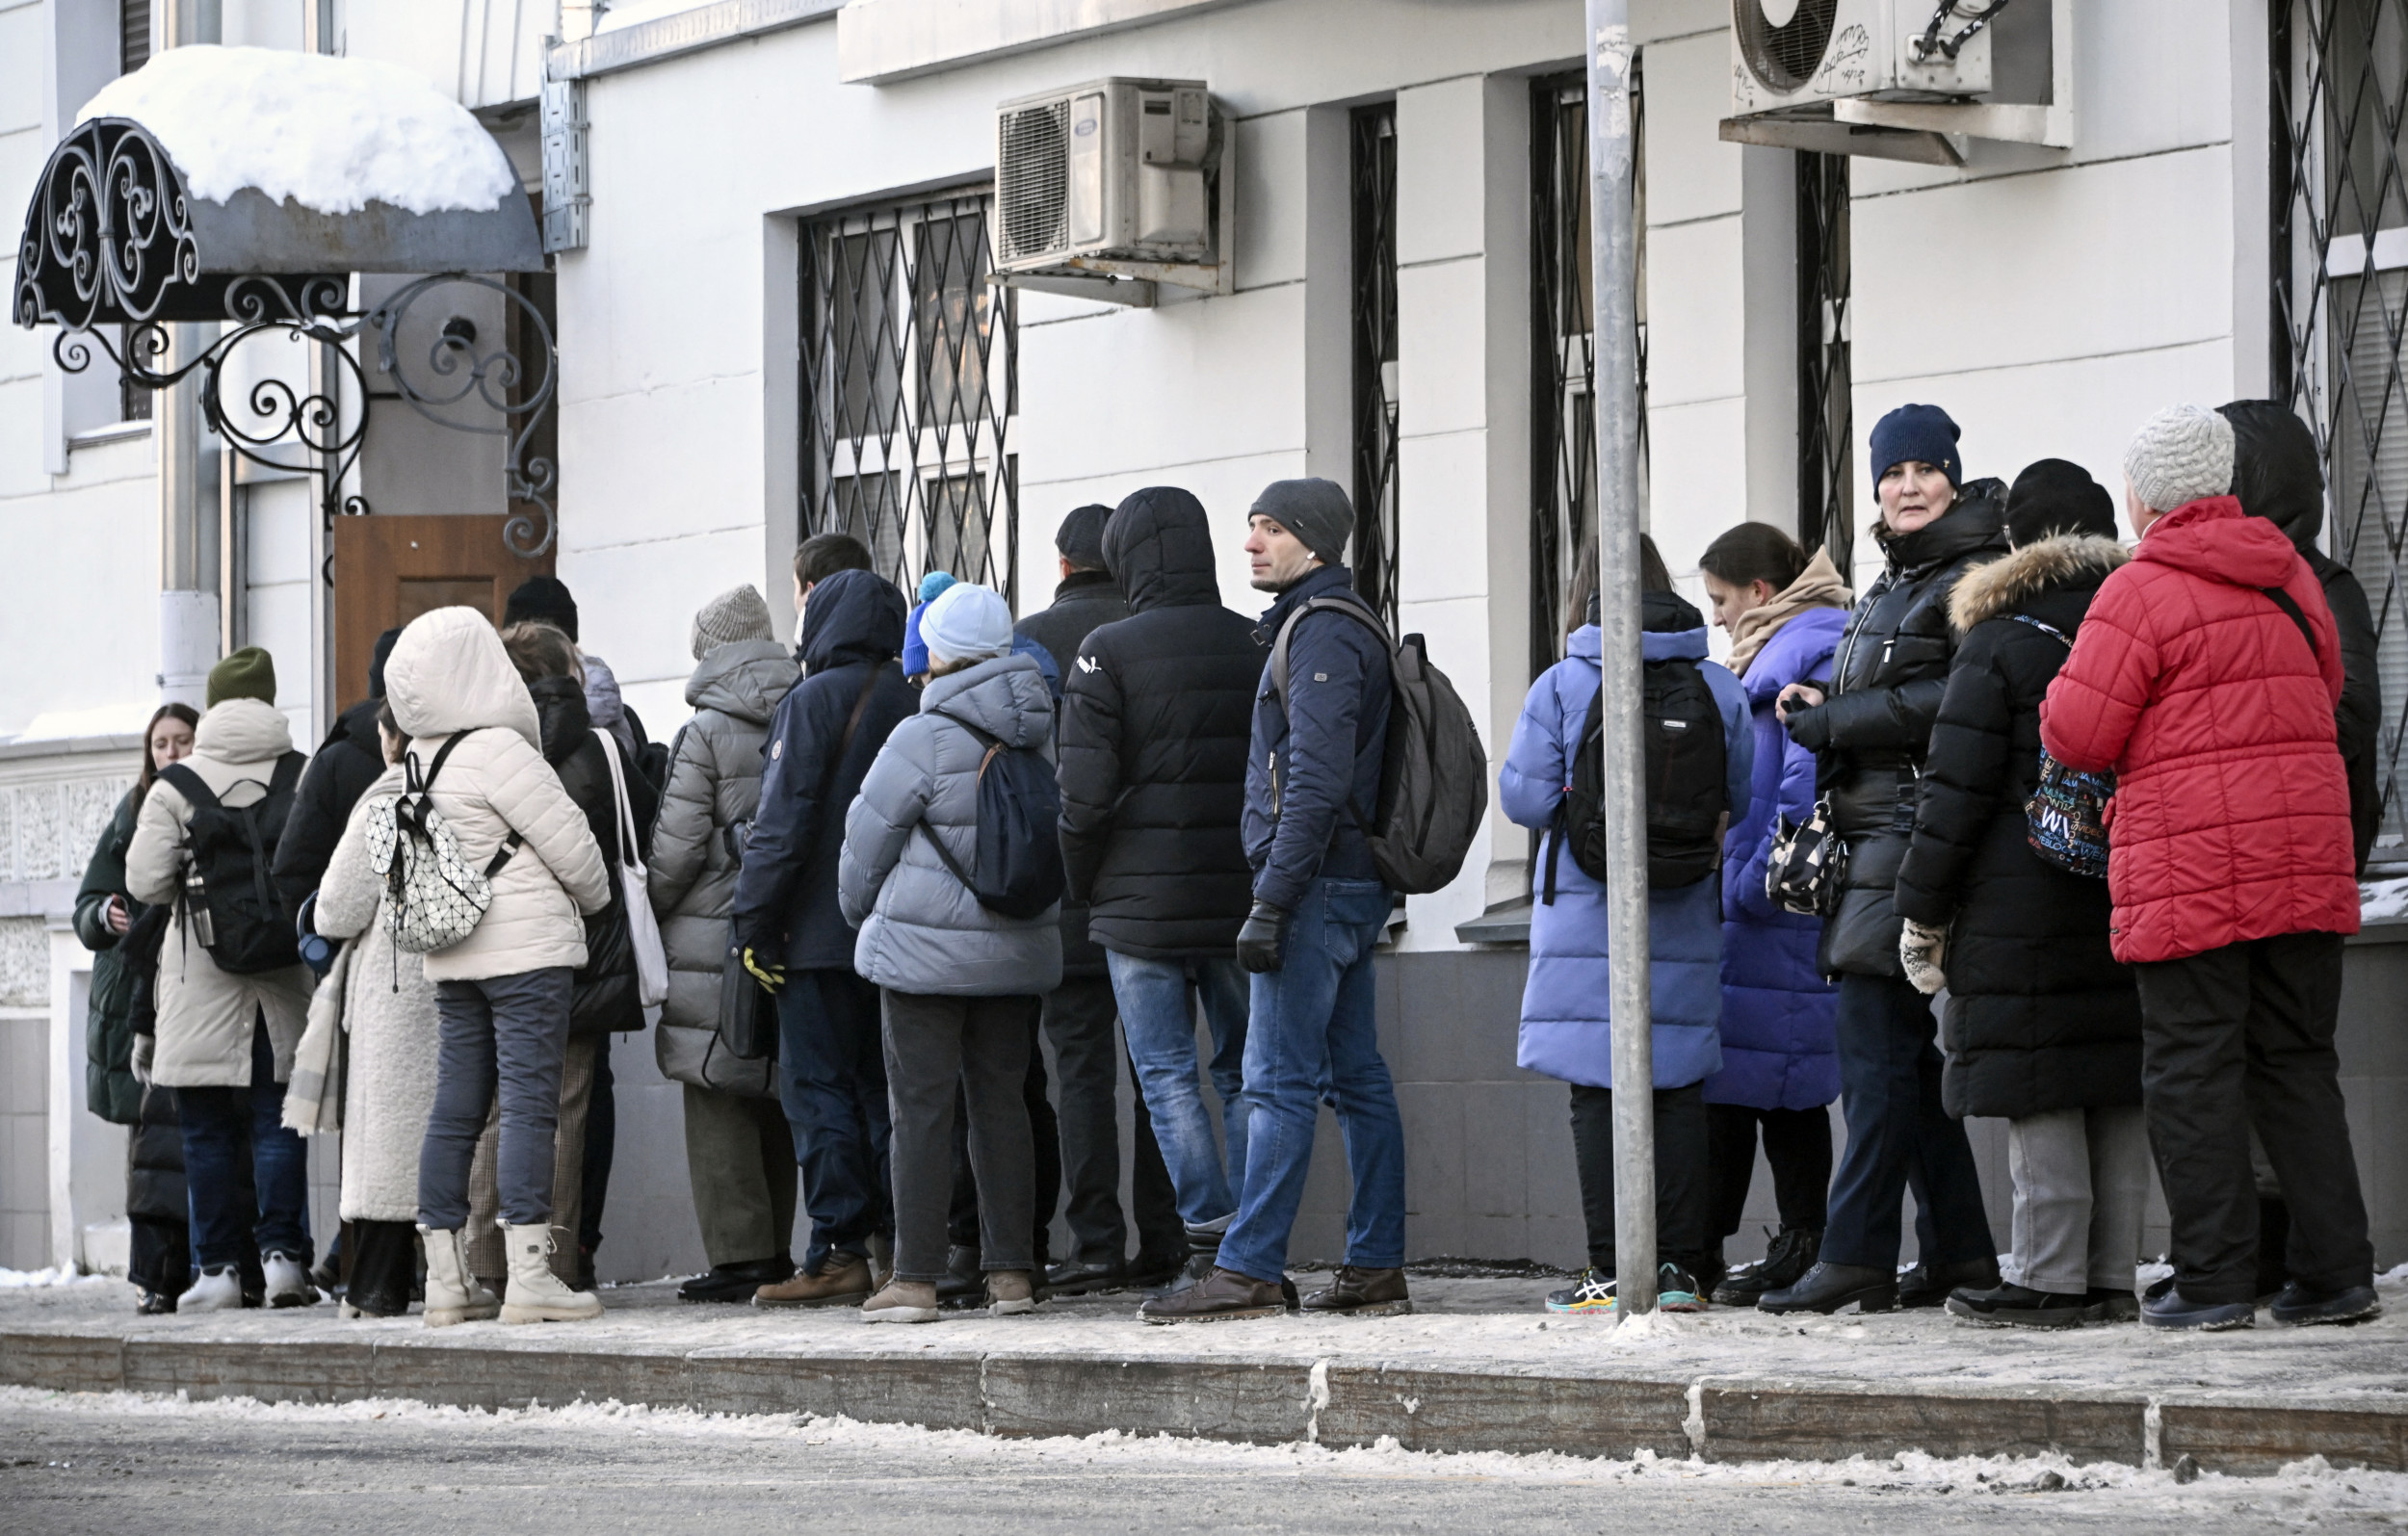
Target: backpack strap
<point>2307,632</point>
<point>417,784</point>
<point>195,791</point>
<point>1279,669</point>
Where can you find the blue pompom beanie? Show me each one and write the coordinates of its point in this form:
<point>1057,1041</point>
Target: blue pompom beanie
<point>915,652</point>
<point>1923,433</point>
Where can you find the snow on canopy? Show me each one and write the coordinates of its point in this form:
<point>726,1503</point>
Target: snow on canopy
<point>333,135</point>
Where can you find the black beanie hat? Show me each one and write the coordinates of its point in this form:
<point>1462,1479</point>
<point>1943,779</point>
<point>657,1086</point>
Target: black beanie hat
<point>1080,540</point>
<point>543,599</point>
<point>2052,496</point>
<point>1316,511</point>
<point>375,661</point>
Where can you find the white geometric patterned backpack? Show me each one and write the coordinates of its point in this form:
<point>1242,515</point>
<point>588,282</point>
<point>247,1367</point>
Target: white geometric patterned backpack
<point>432,899</point>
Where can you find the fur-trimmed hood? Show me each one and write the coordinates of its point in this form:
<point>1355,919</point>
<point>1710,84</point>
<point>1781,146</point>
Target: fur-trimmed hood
<point>2064,560</point>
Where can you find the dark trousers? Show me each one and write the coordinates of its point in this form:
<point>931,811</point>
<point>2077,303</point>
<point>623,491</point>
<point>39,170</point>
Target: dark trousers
<point>379,1265</point>
<point>1797,1145</point>
<point>234,1137</point>
<point>2241,1037</point>
<point>832,1074</point>
<point>1680,1237</point>
<point>1897,1134</point>
<point>978,1047</point>
<point>963,1221</point>
<point>159,1256</point>
<point>601,1145</point>
<point>1080,1019</point>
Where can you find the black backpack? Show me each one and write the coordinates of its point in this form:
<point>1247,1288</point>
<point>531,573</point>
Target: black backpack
<point>1686,758</point>
<point>1017,867</point>
<point>228,903</point>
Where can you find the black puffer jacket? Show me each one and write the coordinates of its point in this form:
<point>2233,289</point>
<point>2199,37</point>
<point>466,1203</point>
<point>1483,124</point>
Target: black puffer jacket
<point>349,760</point>
<point>604,996</point>
<point>2040,1016</point>
<point>1156,714</point>
<point>1871,735</point>
<point>154,1173</point>
<point>2278,477</point>
<point>1084,601</point>
<point>110,1088</point>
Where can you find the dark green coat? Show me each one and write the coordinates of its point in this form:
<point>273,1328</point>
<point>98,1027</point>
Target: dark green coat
<point>110,1090</point>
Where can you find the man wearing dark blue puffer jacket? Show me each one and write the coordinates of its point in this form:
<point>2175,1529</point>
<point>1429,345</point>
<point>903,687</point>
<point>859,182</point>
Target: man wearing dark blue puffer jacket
<point>1312,782</point>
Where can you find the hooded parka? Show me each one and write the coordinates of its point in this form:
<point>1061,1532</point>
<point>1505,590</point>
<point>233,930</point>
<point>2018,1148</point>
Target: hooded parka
<point>447,675</point>
<point>2040,1016</point>
<point>1156,714</point>
<point>1871,734</point>
<point>1567,1021</point>
<point>714,785</point>
<point>110,1088</point>
<point>349,760</point>
<point>1082,602</point>
<point>920,928</point>
<point>206,1015</point>
<point>2231,816</point>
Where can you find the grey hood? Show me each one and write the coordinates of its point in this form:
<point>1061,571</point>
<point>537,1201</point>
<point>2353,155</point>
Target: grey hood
<point>742,678</point>
<point>1006,697</point>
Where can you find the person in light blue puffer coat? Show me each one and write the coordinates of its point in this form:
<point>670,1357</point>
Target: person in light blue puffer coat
<point>1567,1016</point>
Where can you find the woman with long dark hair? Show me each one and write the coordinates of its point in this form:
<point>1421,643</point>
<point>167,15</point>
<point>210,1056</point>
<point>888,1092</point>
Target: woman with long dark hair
<point>160,1260</point>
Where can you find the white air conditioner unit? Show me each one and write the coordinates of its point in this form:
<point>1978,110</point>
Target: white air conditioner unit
<point>1106,188</point>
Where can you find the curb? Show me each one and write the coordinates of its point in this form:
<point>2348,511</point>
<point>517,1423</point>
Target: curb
<point>1328,1402</point>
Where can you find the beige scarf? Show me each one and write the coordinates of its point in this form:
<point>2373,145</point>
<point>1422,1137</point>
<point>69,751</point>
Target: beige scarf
<point>1817,586</point>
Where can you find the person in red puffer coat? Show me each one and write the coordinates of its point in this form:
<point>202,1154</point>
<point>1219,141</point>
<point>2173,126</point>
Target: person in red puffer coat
<point>2206,677</point>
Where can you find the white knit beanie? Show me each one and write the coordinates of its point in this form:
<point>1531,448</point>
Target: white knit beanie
<point>966,623</point>
<point>2182,455</point>
<point>739,613</point>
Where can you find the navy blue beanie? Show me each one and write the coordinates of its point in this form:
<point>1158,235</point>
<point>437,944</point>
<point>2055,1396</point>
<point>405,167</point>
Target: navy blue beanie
<point>1921,433</point>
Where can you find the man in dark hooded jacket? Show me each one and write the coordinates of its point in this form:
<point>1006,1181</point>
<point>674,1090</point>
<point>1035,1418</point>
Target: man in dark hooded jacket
<point>1155,714</point>
<point>796,941</point>
<point>351,759</point>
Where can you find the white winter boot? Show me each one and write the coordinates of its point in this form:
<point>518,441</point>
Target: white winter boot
<point>216,1288</point>
<point>535,1294</point>
<point>288,1281</point>
<point>453,1295</point>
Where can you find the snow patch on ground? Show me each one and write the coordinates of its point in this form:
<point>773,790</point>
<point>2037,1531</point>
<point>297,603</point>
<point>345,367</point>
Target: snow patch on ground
<point>331,134</point>
<point>57,1275</point>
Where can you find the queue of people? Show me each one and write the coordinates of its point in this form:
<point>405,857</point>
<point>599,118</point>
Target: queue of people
<point>2038,827</point>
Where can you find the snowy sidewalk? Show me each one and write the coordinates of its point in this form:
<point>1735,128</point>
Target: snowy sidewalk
<point>1479,1366</point>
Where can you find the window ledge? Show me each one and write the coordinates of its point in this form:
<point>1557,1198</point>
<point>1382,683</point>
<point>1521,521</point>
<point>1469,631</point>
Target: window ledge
<point>113,433</point>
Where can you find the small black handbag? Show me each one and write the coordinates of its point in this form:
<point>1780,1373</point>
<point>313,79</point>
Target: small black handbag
<point>748,1013</point>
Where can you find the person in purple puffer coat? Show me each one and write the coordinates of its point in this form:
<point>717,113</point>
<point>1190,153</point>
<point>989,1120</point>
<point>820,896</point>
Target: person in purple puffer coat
<point>1780,1063</point>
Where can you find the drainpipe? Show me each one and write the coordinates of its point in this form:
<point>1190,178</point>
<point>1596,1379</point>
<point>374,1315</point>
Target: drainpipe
<point>190,602</point>
<point>1614,268</point>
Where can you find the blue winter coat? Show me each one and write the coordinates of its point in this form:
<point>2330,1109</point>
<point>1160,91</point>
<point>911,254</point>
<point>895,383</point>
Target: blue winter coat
<point>1328,745</point>
<point>1566,1016</point>
<point>1778,1048</point>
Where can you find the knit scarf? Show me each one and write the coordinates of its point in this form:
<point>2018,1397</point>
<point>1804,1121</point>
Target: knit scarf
<point>1817,586</point>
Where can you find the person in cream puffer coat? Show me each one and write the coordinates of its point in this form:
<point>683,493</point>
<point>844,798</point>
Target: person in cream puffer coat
<point>502,992</point>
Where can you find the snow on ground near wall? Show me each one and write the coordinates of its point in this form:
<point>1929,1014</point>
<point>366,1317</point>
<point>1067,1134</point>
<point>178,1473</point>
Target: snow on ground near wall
<point>331,134</point>
<point>57,1275</point>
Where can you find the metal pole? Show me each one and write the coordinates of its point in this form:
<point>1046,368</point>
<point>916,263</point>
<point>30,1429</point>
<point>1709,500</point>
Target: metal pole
<point>1615,266</point>
<point>189,619</point>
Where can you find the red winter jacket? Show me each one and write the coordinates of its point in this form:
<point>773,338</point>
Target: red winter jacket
<point>2231,816</point>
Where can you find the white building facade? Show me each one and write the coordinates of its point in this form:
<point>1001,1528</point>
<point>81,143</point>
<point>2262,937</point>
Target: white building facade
<point>779,321</point>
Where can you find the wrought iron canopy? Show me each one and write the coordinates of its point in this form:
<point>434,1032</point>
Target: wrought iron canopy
<point>113,238</point>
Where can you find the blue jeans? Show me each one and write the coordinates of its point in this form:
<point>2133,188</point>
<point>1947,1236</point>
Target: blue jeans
<point>831,1080</point>
<point>1898,1135</point>
<point>222,1126</point>
<point>1157,1000</point>
<point>1313,1025</point>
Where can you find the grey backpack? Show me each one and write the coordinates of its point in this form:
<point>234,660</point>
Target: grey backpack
<point>1433,781</point>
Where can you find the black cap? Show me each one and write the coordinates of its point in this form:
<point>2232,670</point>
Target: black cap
<point>1080,537</point>
<point>2055,496</point>
<point>375,661</point>
<point>543,599</point>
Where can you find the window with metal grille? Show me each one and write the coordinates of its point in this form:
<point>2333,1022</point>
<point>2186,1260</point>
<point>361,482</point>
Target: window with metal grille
<point>909,391</point>
<point>1563,356</point>
<point>2339,227</point>
<point>1374,552</point>
<point>1826,475</point>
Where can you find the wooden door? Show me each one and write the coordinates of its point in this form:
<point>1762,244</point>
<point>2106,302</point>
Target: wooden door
<point>388,570</point>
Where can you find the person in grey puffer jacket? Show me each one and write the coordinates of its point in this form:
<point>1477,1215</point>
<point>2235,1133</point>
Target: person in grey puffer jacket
<point>960,982</point>
<point>739,1152</point>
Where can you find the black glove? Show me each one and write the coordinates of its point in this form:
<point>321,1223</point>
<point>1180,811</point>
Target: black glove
<point>1263,941</point>
<point>1811,727</point>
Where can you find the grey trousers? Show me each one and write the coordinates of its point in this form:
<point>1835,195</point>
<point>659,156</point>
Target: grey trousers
<point>982,1045</point>
<point>502,1036</point>
<point>487,1259</point>
<point>739,1157</point>
<point>2081,1183</point>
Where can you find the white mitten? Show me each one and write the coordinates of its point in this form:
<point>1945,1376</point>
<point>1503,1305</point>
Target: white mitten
<point>143,1046</point>
<point>1919,949</point>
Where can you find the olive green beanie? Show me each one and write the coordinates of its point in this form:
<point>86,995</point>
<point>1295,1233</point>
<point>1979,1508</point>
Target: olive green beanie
<point>250,674</point>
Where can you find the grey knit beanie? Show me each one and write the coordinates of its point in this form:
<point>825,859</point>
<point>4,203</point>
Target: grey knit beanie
<point>2182,455</point>
<point>739,613</point>
<point>1316,511</point>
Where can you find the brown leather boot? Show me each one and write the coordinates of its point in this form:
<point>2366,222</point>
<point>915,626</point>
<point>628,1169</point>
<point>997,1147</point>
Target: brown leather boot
<point>1217,1297</point>
<point>1362,1293</point>
<point>843,1281</point>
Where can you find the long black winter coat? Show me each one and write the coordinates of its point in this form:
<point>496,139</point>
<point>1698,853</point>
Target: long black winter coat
<point>1081,604</point>
<point>603,999</point>
<point>110,1090</point>
<point>786,894</point>
<point>1156,714</point>
<point>2278,475</point>
<point>2040,1016</point>
<point>1869,735</point>
<point>154,1174</point>
<point>349,760</point>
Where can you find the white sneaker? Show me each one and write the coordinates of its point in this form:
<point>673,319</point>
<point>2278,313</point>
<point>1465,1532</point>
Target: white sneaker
<point>218,1289</point>
<point>535,1294</point>
<point>288,1281</point>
